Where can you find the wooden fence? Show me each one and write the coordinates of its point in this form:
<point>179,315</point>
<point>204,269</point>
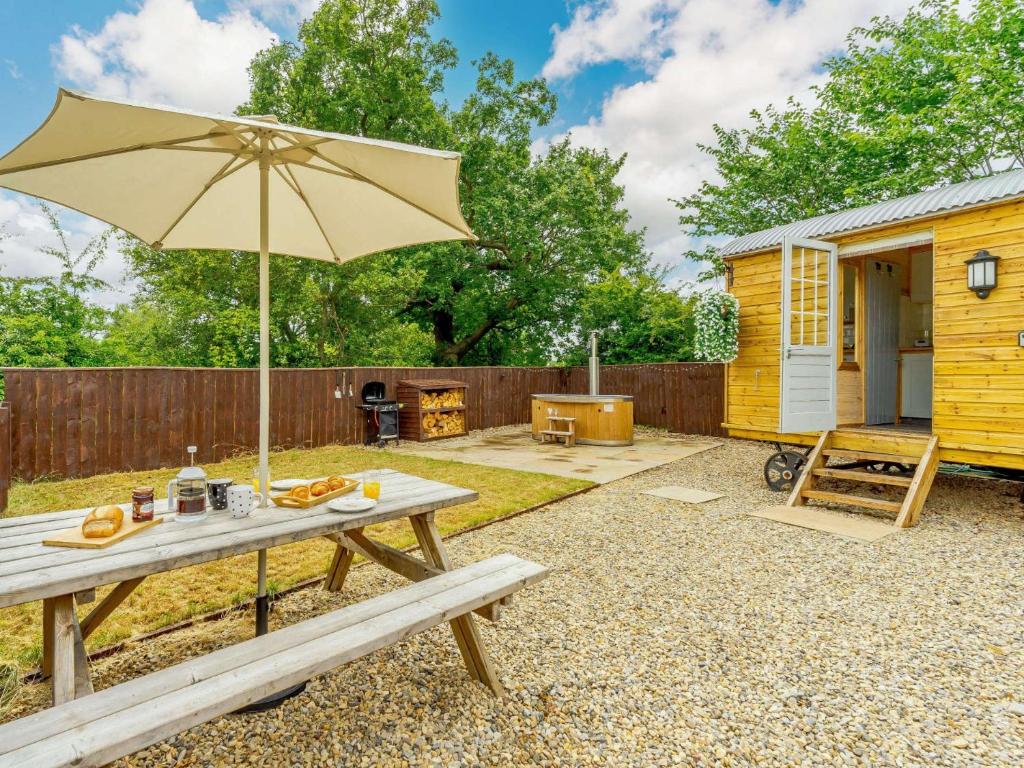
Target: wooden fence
<point>76,422</point>
<point>5,453</point>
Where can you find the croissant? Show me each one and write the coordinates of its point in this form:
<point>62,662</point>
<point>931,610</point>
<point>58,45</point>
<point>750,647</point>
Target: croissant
<point>300,492</point>
<point>335,482</point>
<point>319,488</point>
<point>102,522</point>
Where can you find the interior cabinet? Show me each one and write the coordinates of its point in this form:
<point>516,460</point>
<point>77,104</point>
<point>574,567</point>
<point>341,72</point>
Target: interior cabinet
<point>916,385</point>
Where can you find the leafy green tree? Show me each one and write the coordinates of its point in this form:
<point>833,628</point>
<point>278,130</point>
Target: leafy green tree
<point>206,309</point>
<point>50,321</point>
<point>640,321</point>
<point>928,99</point>
<point>547,225</point>
<point>138,334</point>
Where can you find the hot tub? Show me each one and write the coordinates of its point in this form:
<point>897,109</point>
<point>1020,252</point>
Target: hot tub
<point>600,419</point>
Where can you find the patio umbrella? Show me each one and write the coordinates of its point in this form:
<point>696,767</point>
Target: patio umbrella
<point>178,179</point>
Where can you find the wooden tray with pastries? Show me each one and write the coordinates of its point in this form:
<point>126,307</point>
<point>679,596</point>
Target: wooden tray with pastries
<point>307,496</point>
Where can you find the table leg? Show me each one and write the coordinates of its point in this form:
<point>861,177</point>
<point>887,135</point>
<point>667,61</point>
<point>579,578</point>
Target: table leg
<point>410,567</point>
<point>46,666</point>
<point>338,569</point>
<point>467,635</point>
<point>63,663</point>
<point>83,680</point>
<point>64,656</point>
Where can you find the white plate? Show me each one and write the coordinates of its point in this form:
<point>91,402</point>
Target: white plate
<point>286,485</point>
<point>351,503</point>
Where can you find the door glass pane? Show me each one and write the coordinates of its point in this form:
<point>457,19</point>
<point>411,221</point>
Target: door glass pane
<point>809,295</point>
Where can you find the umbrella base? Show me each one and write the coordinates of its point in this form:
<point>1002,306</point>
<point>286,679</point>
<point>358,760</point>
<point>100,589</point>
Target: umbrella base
<point>274,701</point>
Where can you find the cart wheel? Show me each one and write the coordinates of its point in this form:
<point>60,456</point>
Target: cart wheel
<point>782,469</point>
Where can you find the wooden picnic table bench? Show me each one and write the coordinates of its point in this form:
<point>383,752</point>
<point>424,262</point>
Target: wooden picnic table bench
<point>31,571</point>
<point>97,729</point>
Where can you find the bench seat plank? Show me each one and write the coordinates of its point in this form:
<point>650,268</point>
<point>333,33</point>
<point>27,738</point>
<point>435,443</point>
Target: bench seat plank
<point>125,718</point>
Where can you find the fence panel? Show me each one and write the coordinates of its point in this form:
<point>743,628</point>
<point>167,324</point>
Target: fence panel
<point>81,422</point>
<point>5,453</point>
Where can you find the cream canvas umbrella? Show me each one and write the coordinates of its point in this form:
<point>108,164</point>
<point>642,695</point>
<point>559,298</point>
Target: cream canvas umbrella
<point>180,179</point>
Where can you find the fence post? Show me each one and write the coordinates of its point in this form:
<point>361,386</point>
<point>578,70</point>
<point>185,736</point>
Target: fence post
<point>5,454</point>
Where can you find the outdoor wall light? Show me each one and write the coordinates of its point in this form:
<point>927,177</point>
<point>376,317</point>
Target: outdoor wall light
<point>981,273</point>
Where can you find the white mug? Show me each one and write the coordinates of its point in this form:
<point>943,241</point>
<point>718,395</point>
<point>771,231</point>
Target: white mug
<point>243,500</point>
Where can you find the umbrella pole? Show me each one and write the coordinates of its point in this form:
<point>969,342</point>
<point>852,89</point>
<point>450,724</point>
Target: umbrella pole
<point>262,607</point>
<point>262,603</point>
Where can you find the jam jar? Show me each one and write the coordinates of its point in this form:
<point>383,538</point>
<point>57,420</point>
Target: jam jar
<point>142,504</point>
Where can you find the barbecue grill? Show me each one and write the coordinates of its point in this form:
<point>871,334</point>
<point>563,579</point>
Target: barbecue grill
<point>381,414</point>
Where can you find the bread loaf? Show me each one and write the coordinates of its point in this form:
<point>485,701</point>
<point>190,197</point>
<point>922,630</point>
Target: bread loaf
<point>102,522</point>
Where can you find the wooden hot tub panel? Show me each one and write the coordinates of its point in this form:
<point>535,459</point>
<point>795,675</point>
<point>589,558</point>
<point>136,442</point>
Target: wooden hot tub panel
<point>607,422</point>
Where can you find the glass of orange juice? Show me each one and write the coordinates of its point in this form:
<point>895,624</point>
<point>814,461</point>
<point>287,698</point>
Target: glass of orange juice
<point>371,485</point>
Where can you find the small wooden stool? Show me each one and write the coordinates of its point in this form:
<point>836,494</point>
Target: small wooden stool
<point>568,431</point>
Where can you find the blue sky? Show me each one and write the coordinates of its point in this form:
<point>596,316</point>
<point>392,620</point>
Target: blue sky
<point>645,78</point>
<point>28,31</point>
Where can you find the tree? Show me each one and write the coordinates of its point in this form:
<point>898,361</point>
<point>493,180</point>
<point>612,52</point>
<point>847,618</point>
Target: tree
<point>50,321</point>
<point>547,225</point>
<point>933,98</point>
<point>203,308</point>
<point>639,320</point>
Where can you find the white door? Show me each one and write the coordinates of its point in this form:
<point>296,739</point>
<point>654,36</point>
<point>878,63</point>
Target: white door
<point>807,398</point>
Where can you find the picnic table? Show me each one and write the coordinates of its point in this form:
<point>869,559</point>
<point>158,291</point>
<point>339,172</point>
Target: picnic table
<point>63,577</point>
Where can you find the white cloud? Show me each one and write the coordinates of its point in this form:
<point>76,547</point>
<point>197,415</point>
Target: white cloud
<point>708,62</point>
<point>607,31</point>
<point>28,230</point>
<point>13,69</point>
<point>288,12</point>
<point>165,52</point>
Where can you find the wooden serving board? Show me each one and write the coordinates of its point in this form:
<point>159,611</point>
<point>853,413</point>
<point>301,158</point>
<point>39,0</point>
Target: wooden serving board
<point>284,500</point>
<point>72,537</point>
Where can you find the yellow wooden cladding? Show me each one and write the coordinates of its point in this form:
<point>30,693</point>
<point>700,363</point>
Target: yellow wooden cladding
<point>987,414</point>
<point>752,382</point>
<point>978,388</point>
<point>849,398</point>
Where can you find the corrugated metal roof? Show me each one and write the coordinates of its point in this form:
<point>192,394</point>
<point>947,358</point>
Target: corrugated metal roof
<point>1001,186</point>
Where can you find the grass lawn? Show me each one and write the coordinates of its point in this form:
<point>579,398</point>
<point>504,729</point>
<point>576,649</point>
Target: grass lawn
<point>169,597</point>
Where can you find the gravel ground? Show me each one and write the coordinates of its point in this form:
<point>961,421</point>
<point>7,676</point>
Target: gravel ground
<point>671,634</point>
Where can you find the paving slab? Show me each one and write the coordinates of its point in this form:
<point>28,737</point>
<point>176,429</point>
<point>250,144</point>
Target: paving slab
<point>847,526</point>
<point>682,493</point>
<point>515,448</point>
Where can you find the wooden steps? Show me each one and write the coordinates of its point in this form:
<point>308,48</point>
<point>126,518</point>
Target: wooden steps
<point>866,502</point>
<point>882,478</point>
<point>890,458</point>
<point>919,451</point>
<point>567,431</point>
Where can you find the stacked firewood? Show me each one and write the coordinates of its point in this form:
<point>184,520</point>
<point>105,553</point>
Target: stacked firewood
<point>444,424</point>
<point>446,398</point>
